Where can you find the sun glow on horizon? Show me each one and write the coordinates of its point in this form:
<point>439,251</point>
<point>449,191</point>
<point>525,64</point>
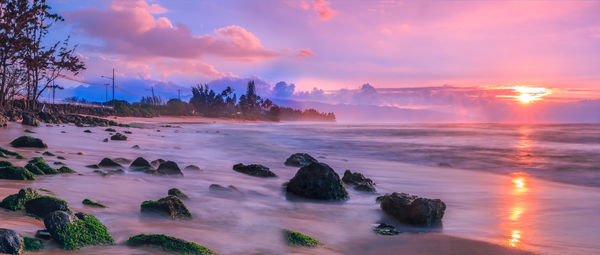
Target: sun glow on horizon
<point>528,95</point>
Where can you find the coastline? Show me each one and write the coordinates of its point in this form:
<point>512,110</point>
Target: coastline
<point>181,119</point>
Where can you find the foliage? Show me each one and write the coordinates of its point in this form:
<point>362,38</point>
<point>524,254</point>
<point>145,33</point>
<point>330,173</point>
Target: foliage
<point>169,243</point>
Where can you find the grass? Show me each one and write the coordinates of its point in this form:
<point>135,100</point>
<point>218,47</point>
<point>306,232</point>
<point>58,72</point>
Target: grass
<point>169,243</point>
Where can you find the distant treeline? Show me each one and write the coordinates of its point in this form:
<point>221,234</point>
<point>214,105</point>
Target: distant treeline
<point>206,102</point>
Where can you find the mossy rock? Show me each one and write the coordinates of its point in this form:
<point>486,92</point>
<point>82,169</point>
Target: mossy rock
<point>65,170</point>
<point>17,201</point>
<point>90,202</point>
<point>110,130</point>
<point>28,141</point>
<point>44,205</point>
<point>106,162</point>
<point>16,173</point>
<point>11,153</point>
<point>92,166</point>
<point>58,163</point>
<point>61,157</point>
<point>4,163</point>
<point>178,193</point>
<point>76,232</point>
<point>169,243</point>
<point>40,163</point>
<point>170,205</point>
<point>49,154</point>
<point>299,239</point>
<point>32,244</point>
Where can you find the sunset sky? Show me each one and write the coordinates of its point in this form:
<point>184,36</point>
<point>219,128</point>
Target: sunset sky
<point>486,46</point>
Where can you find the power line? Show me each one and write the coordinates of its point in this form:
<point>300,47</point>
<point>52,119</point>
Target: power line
<point>97,84</point>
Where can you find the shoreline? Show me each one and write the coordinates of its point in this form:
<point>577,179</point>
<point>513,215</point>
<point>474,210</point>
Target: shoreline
<point>182,120</point>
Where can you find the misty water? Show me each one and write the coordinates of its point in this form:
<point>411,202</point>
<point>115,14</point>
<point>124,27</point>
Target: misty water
<point>531,187</point>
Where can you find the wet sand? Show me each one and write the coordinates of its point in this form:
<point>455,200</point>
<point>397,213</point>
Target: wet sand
<point>484,209</point>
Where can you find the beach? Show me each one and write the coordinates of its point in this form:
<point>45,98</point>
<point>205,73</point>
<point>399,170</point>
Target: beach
<point>509,210</point>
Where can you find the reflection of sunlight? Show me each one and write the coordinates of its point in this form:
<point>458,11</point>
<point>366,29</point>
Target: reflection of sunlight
<point>514,238</point>
<point>519,183</point>
<point>515,214</point>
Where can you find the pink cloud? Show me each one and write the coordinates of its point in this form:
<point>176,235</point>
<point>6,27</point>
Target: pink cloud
<point>305,53</point>
<point>129,29</point>
<point>322,8</point>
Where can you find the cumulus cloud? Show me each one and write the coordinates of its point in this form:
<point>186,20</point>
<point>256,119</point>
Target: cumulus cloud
<point>283,90</point>
<point>128,28</point>
<point>322,7</point>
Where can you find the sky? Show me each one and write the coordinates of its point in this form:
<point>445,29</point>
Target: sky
<point>467,58</point>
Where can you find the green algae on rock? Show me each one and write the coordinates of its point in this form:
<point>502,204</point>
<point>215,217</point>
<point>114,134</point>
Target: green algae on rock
<point>169,243</point>
<point>90,202</point>
<point>170,205</point>
<point>17,201</point>
<point>178,193</point>
<point>32,244</point>
<point>10,172</point>
<point>76,232</point>
<point>28,141</point>
<point>298,239</point>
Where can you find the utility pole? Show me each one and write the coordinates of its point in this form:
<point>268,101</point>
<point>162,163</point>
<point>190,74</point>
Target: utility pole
<point>113,86</point>
<point>179,94</point>
<point>54,87</point>
<point>153,98</point>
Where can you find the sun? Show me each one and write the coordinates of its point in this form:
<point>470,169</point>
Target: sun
<point>528,95</point>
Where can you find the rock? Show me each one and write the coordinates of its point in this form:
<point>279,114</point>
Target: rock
<point>169,243</point>
<point>106,162</point>
<point>170,205</point>
<point>192,167</point>
<point>127,132</point>
<point>39,166</point>
<point>44,205</point>
<point>359,181</point>
<point>93,166</point>
<point>28,131</point>
<point>254,170</point>
<point>11,153</point>
<point>30,120</point>
<point>157,162</point>
<point>61,157</point>
<point>17,201</point>
<point>140,164</point>
<point>28,141</point>
<point>105,140</point>
<point>11,172</point>
<point>317,181</point>
<point>385,229</point>
<point>413,209</point>
<point>119,137</point>
<point>32,244</point>
<point>65,170</point>
<point>219,188</point>
<point>122,161</point>
<point>43,234</point>
<point>87,131</point>
<point>176,192</point>
<point>76,232</point>
<point>10,242</point>
<point>169,168</point>
<point>135,147</point>
<point>299,239</point>
<point>300,160</point>
<point>90,202</point>
<point>110,130</point>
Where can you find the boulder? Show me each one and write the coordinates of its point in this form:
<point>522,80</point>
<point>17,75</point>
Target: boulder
<point>169,243</point>
<point>30,120</point>
<point>219,188</point>
<point>17,201</point>
<point>76,232</point>
<point>359,181</point>
<point>300,160</point>
<point>119,137</point>
<point>39,166</point>
<point>44,205</point>
<point>106,162</point>
<point>413,209</point>
<point>254,170</point>
<point>169,168</point>
<point>140,164</point>
<point>317,181</point>
<point>10,242</point>
<point>11,172</point>
<point>385,229</point>
<point>178,193</point>
<point>170,206</point>
<point>192,167</point>
<point>28,141</point>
